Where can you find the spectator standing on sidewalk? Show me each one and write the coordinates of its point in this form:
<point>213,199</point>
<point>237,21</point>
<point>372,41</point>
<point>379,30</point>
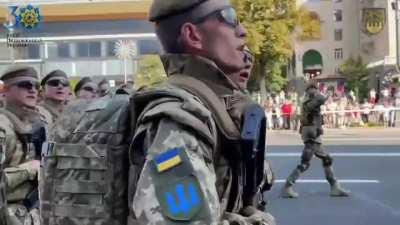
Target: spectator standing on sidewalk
<point>286,109</point>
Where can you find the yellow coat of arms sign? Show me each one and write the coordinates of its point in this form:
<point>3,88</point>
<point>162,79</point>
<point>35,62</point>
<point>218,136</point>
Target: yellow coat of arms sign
<point>374,20</point>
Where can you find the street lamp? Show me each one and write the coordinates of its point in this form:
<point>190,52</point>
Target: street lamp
<point>396,7</point>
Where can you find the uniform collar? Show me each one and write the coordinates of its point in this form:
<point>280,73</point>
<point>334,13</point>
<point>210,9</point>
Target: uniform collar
<point>53,106</point>
<point>24,113</point>
<point>200,68</point>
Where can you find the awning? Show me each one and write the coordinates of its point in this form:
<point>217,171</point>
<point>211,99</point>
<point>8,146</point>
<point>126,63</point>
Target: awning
<point>312,60</point>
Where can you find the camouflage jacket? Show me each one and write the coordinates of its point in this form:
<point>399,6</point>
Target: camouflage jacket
<point>172,122</point>
<point>51,110</point>
<point>20,166</point>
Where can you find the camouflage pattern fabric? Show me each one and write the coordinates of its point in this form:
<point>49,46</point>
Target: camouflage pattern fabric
<point>51,109</point>
<point>20,166</point>
<point>84,174</point>
<point>3,198</point>
<point>169,118</point>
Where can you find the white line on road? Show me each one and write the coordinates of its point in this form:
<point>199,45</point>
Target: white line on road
<point>343,181</point>
<point>342,154</point>
<point>361,139</point>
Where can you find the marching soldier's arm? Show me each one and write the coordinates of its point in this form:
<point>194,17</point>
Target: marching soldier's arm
<point>178,180</point>
<point>316,101</point>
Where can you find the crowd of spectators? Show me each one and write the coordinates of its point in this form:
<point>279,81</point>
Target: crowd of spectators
<point>283,111</point>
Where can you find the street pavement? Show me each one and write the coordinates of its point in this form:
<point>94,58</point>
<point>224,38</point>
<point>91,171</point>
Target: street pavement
<point>366,161</point>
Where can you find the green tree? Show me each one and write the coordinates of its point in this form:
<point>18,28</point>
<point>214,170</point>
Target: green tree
<point>356,73</point>
<point>270,25</point>
<point>151,71</point>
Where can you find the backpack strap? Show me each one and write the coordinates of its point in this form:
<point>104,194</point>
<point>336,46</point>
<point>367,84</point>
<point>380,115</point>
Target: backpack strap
<point>211,100</point>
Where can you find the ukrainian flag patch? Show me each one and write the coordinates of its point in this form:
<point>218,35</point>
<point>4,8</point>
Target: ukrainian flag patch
<point>167,160</point>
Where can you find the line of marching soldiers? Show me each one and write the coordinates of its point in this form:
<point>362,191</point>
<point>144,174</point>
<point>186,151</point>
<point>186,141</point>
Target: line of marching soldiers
<point>28,106</point>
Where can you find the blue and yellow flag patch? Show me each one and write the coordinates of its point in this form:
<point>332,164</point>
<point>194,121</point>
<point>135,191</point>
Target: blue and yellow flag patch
<point>167,160</point>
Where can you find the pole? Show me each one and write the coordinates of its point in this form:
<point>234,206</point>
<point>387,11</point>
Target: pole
<point>125,75</point>
<point>397,9</point>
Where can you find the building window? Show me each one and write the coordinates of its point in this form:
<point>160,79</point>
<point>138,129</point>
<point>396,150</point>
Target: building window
<point>89,49</point>
<point>63,50</point>
<point>338,15</point>
<point>33,52</point>
<point>110,48</point>
<point>94,49</point>
<point>338,53</point>
<point>338,34</point>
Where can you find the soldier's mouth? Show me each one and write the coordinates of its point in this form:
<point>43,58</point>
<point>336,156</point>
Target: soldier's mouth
<point>244,76</point>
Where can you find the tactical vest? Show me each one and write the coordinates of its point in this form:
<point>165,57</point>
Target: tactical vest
<point>84,176</point>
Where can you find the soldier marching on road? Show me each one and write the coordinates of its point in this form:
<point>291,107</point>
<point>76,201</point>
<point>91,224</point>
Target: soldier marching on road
<point>311,132</point>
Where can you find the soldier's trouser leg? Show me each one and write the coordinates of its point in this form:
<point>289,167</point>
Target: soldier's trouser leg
<point>327,162</point>
<point>306,157</point>
<point>303,166</point>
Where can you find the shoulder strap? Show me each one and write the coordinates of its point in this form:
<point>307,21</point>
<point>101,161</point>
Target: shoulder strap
<point>211,100</point>
<point>20,132</point>
<point>18,124</point>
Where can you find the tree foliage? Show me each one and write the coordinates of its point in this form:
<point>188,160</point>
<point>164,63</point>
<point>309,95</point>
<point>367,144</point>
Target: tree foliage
<point>270,25</point>
<point>151,71</point>
<point>309,25</point>
<point>356,73</point>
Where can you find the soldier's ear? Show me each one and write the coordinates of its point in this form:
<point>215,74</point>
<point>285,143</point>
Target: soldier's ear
<point>191,37</point>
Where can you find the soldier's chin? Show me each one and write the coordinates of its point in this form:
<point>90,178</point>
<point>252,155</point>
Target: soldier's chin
<point>30,104</point>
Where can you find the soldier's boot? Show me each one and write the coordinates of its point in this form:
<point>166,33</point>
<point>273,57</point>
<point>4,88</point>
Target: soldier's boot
<point>287,191</point>
<point>336,189</point>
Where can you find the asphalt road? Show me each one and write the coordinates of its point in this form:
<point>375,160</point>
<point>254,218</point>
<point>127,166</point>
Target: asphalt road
<point>371,171</point>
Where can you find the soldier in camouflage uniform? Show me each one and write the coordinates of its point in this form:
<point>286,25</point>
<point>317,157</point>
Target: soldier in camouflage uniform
<point>311,131</point>
<point>86,89</point>
<point>186,159</point>
<point>16,122</point>
<point>55,87</point>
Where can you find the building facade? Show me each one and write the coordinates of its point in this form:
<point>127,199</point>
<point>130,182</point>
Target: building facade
<point>80,37</point>
<point>349,28</point>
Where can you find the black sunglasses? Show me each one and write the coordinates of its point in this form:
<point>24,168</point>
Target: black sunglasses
<point>28,85</point>
<point>56,83</point>
<point>227,15</point>
<point>89,89</point>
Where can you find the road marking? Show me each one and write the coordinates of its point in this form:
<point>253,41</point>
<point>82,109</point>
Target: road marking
<point>360,139</point>
<point>341,154</point>
<point>323,181</point>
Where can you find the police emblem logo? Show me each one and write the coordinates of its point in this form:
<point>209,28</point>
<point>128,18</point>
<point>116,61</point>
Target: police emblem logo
<point>374,20</point>
<point>29,17</point>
